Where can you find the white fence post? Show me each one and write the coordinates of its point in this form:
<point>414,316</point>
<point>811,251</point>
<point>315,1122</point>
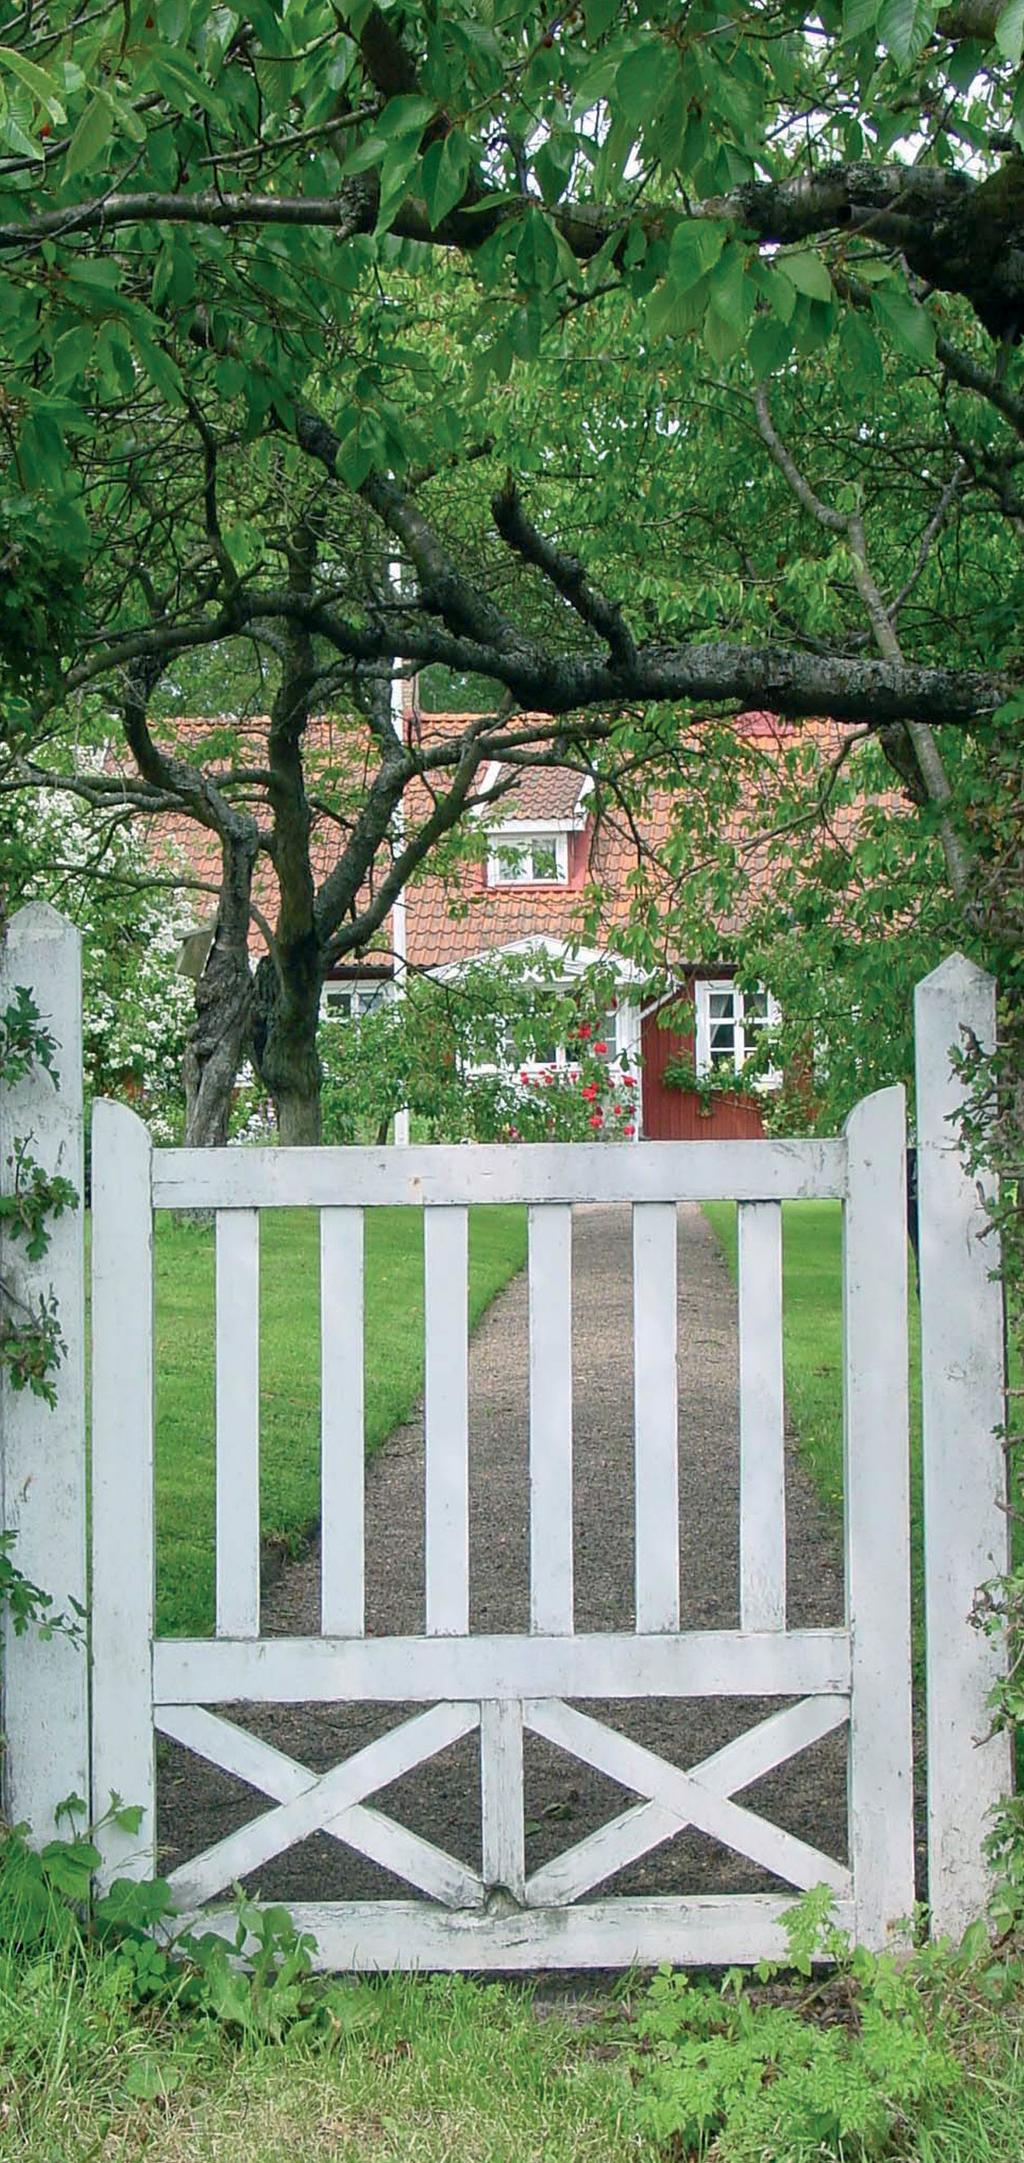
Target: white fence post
<point>963,1406</point>
<point>877,1446</point>
<point>42,1448</point>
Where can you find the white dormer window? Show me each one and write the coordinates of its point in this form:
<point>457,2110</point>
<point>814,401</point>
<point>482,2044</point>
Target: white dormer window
<point>518,858</point>
<point>729,1023</point>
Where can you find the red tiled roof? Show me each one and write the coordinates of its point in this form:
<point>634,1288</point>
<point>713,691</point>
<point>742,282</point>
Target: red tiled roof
<point>454,917</point>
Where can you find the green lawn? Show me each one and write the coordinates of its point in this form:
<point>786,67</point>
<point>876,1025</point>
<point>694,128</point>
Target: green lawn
<point>812,1264</point>
<point>289,1374</point>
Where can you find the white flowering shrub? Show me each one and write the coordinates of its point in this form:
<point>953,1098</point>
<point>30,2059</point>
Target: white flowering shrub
<point>136,1007</point>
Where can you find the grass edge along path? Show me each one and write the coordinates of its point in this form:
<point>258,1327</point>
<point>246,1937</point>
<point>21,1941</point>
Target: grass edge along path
<point>289,1375</point>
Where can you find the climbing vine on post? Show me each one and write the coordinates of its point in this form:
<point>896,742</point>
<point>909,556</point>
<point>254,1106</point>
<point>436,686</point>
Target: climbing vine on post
<point>31,1344</point>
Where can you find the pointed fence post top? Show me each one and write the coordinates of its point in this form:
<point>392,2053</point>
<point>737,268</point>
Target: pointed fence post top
<point>957,981</point>
<point>37,921</point>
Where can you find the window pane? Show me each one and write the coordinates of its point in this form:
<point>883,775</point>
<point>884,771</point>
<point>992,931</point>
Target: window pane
<point>545,858</point>
<point>722,1004</point>
<point>755,1009</point>
<point>723,1043</point>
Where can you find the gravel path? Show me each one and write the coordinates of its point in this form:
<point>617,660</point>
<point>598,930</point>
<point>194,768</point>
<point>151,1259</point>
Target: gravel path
<point>565,1800</point>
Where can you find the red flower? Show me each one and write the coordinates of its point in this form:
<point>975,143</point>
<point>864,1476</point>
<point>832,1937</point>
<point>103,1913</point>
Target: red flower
<point>589,1091</point>
<point>524,1077</point>
<point>600,1049</point>
<point>629,1130</point>
<point>596,1119</point>
<point>618,1110</point>
<point>549,1077</point>
<point>585,1029</point>
<point>629,1081</point>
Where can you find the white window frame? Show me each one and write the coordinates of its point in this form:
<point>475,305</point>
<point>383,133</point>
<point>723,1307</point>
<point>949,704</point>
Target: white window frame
<point>358,990</point>
<point>744,1040</point>
<point>520,840</point>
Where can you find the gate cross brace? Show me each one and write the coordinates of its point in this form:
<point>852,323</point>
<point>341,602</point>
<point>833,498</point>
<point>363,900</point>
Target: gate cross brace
<point>332,1802</point>
<point>329,1802</point>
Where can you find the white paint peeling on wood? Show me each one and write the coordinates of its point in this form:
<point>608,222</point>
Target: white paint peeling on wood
<point>501,1780</point>
<point>318,1670</point>
<point>712,1929</point>
<point>515,1172</point>
<point>877,1451</point>
<point>963,1406</point>
<point>122,1486</point>
<point>321,1801</point>
<point>684,1793</point>
<point>740,1762</point>
<point>762,1442</point>
<point>42,1449</point>
<point>238,1423</point>
<point>261,1766</point>
<point>656,1415</point>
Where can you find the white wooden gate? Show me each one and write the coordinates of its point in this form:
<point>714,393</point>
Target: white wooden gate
<point>502,1917</point>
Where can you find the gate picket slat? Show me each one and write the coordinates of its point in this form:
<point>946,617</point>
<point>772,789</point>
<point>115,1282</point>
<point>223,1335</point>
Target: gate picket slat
<point>656,1416</point>
<point>551,1536</point>
<point>762,1419</point>
<point>342,1423</point>
<point>446,1420</point>
<point>238,1423</point>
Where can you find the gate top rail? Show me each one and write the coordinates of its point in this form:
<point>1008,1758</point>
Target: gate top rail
<point>751,1171</point>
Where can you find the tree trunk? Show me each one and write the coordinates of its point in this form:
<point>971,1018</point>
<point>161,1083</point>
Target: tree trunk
<point>286,1015</point>
<point>219,1037</point>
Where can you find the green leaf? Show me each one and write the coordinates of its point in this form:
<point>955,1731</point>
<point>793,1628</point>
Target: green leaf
<point>695,246</point>
<point>769,347</point>
<point>444,173</point>
<point>908,324</point>
<point>537,253</point>
<point>36,80</point>
<point>905,26</point>
<point>643,81</point>
<point>859,16</point>
<point>733,293</point>
<point>404,117</point>
<point>127,119</point>
<point>809,275</point>
<point>860,354</point>
<point>91,136</point>
<point>1010,31</point>
<point>182,84</point>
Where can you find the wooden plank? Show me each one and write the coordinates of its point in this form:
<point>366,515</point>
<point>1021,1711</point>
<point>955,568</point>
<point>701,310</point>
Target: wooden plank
<point>422,1864</point>
<point>656,1416</point>
<point>551,1555</point>
<point>342,1424</point>
<point>710,1812</point>
<point>446,1420</point>
<point>710,1930</point>
<point>762,1443</point>
<point>501,1780</point>
<point>625,1838</point>
<point>42,1446</point>
<point>702,1663</point>
<point>123,1760</point>
<point>963,1408</point>
<point>877,1479</point>
<point>519,1172</point>
<point>238,1423</point>
<point>376,1766</point>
